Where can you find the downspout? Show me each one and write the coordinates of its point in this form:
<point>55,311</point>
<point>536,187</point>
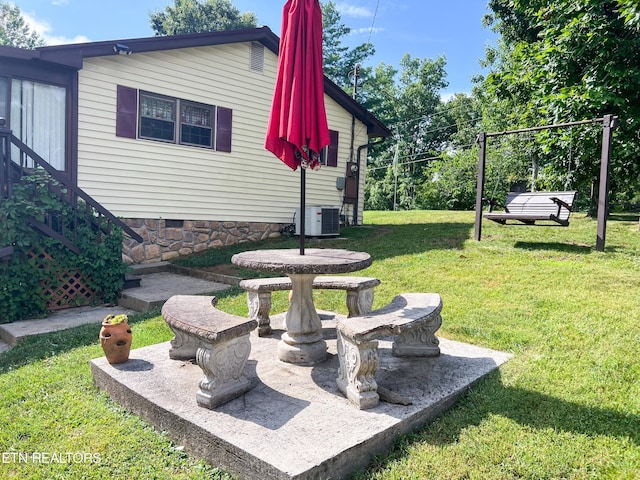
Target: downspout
<point>355,204</point>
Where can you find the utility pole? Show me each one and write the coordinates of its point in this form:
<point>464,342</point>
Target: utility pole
<point>354,79</point>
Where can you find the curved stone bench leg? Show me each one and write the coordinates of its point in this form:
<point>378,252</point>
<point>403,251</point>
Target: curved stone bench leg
<point>183,345</point>
<point>259,308</point>
<point>359,302</point>
<point>420,341</point>
<point>223,366</point>
<point>356,374</point>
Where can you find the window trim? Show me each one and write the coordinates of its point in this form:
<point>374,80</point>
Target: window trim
<point>173,101</point>
<point>211,127</point>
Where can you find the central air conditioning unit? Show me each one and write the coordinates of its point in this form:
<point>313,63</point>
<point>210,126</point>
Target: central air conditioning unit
<point>319,221</point>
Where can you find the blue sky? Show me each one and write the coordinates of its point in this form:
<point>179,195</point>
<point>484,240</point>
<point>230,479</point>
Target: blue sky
<point>422,28</point>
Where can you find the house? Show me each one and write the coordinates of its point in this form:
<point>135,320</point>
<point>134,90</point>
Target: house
<point>167,134</point>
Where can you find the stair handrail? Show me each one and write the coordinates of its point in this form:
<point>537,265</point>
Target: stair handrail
<point>5,180</point>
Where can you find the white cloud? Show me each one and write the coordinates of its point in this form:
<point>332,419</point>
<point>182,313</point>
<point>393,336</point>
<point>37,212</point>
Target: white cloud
<point>42,28</point>
<point>59,2</point>
<point>366,30</point>
<point>349,10</point>
<point>57,40</point>
<point>36,25</point>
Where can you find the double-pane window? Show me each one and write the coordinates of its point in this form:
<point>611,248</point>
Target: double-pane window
<point>153,116</point>
<point>157,118</point>
<point>195,124</point>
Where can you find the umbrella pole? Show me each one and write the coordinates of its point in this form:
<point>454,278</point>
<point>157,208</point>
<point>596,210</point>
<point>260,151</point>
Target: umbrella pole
<point>303,217</point>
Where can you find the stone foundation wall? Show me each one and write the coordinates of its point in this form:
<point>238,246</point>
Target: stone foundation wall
<point>169,239</point>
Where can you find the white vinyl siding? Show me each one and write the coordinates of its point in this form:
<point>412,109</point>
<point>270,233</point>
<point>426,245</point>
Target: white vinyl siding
<point>137,178</point>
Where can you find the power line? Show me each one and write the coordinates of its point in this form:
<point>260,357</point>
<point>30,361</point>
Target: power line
<point>426,159</point>
<point>433,130</point>
<point>375,14</point>
<point>419,160</point>
<point>439,112</point>
<point>445,127</point>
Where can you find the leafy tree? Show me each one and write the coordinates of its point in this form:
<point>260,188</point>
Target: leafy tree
<point>340,61</point>
<point>194,16</point>
<point>408,99</point>
<point>450,181</point>
<point>566,60</point>
<point>378,91</point>
<point>14,32</point>
<point>460,116</point>
<point>631,10</point>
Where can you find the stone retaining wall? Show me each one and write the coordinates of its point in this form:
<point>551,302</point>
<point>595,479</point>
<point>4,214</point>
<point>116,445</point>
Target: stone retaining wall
<point>169,239</point>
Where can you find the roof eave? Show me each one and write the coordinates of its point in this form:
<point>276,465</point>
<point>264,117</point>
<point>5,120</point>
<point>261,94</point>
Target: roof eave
<point>74,53</point>
<point>18,53</point>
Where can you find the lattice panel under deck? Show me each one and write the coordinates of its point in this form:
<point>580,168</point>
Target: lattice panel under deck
<point>62,289</point>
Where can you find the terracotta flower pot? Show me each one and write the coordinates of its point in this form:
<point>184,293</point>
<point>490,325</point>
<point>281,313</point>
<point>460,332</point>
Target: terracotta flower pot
<point>116,341</point>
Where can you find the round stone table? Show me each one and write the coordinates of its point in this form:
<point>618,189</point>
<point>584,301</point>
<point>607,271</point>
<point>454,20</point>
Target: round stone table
<point>302,343</point>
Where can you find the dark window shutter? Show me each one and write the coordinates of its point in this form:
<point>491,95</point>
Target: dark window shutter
<point>332,150</point>
<point>127,112</point>
<point>223,129</point>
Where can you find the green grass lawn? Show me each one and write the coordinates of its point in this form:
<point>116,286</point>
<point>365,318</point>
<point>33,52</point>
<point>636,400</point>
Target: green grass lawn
<point>567,405</point>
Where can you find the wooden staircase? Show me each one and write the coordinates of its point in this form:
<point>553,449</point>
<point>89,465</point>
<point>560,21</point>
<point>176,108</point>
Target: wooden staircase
<point>18,161</point>
<point>14,169</point>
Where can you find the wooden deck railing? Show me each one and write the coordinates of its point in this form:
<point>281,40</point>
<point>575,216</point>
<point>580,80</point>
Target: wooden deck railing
<point>13,169</point>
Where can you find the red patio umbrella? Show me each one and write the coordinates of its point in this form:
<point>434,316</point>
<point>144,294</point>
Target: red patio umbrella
<point>297,129</point>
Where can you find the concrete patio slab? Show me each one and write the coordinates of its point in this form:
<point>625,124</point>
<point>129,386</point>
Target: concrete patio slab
<point>157,288</point>
<point>294,423</point>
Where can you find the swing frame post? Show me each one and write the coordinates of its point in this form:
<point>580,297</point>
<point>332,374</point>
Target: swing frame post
<point>482,161</point>
<point>609,122</point>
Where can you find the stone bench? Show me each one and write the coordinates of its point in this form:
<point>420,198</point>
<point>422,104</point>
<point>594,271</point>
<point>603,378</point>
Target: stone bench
<point>359,295</point>
<point>412,318</point>
<point>217,341</point>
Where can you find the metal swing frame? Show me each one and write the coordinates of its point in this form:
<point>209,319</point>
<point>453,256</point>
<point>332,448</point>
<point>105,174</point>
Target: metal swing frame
<point>609,122</point>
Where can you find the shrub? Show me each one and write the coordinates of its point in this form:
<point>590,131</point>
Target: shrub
<point>21,279</point>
